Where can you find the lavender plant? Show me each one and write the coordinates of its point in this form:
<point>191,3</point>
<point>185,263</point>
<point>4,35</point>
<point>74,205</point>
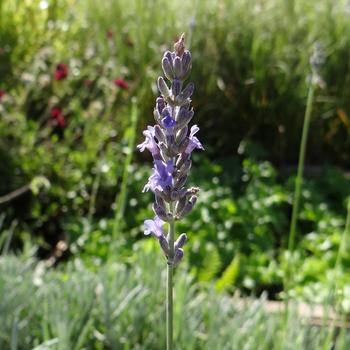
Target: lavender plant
<point>316,61</point>
<point>171,144</point>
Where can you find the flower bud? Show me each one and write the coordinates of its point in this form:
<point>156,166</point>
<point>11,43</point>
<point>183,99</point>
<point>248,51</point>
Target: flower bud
<point>187,92</point>
<point>157,115</point>
<point>170,58</point>
<point>158,133</point>
<point>186,62</point>
<point>181,134</point>
<point>160,202</point>
<point>183,117</point>
<point>166,195</point>
<point>170,140</point>
<point>176,87</point>
<point>178,194</point>
<point>179,46</point>
<point>187,208</point>
<point>180,205</point>
<point>185,168</point>
<point>177,68</point>
<point>164,149</point>
<point>181,181</point>
<point>160,212</point>
<point>164,245</point>
<point>183,157</point>
<point>160,104</point>
<point>183,145</point>
<point>167,68</point>
<point>180,242</point>
<point>193,190</point>
<point>162,87</point>
<point>179,254</point>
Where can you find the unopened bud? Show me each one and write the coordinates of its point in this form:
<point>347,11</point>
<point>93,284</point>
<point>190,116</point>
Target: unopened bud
<point>181,134</point>
<point>187,208</point>
<point>182,159</point>
<point>186,63</point>
<point>160,212</point>
<point>164,245</point>
<point>181,181</point>
<point>177,68</point>
<point>183,145</point>
<point>180,205</point>
<point>159,133</point>
<point>179,46</point>
<point>179,254</point>
<point>187,91</point>
<point>160,104</point>
<point>178,194</point>
<point>167,68</point>
<point>162,87</point>
<point>176,87</point>
<point>180,242</point>
<point>157,116</point>
<point>185,167</point>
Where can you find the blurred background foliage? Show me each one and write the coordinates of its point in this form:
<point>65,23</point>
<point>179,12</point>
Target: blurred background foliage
<point>78,86</point>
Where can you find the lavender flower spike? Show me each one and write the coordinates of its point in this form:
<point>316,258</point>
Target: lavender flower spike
<point>169,141</point>
<point>171,145</point>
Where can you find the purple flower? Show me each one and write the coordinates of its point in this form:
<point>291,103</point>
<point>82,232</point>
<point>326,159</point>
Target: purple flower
<point>193,140</point>
<point>160,104</point>
<point>149,142</point>
<point>162,176</point>
<point>154,227</point>
<point>168,122</point>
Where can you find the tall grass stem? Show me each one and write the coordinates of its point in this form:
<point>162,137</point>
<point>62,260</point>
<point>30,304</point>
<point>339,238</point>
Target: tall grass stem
<point>297,190</point>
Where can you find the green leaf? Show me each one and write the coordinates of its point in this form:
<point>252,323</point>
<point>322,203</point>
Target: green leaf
<point>211,264</point>
<point>229,276</point>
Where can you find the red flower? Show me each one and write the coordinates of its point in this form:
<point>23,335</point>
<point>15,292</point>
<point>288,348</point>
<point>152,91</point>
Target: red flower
<point>57,117</point>
<point>109,34</point>
<point>2,94</point>
<point>61,71</point>
<point>121,83</point>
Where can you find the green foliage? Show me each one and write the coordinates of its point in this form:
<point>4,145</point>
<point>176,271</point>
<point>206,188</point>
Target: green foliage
<point>238,230</point>
<point>121,307</point>
<point>229,276</point>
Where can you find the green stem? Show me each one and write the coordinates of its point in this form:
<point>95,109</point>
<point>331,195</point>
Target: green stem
<point>169,309</point>
<point>297,190</point>
<point>169,294</point>
<point>299,178</point>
